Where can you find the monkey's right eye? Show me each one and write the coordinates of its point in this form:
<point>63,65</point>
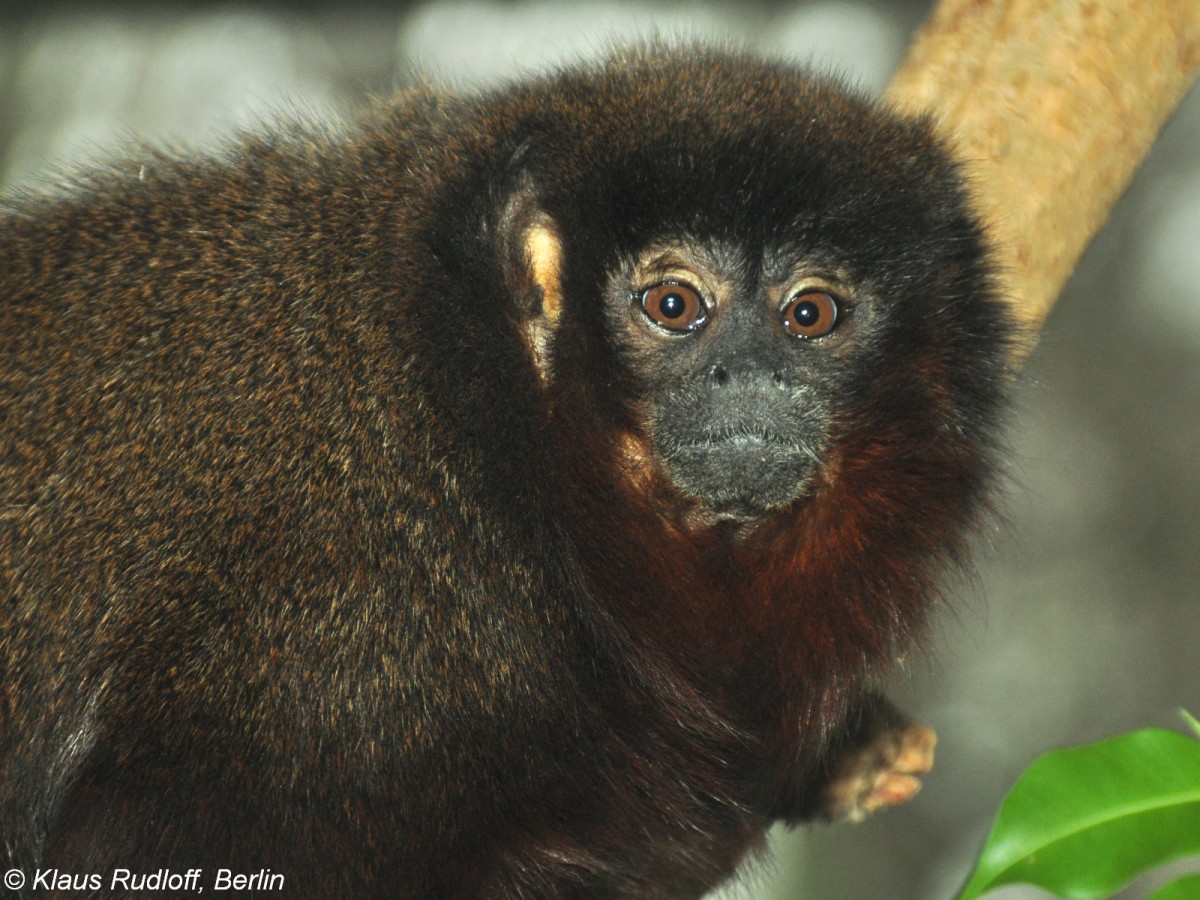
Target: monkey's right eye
<point>674,306</point>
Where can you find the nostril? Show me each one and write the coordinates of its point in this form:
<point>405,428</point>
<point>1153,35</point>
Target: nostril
<point>718,375</point>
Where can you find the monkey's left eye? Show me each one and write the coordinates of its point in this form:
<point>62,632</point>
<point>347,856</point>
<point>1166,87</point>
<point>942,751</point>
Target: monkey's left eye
<point>675,307</point>
<point>812,314</point>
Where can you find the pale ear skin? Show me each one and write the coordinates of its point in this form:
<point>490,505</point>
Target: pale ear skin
<point>543,253</point>
<point>531,253</point>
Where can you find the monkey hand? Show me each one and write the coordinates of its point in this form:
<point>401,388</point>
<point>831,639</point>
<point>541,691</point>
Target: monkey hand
<point>885,770</point>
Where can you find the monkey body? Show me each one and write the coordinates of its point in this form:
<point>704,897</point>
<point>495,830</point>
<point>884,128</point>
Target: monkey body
<point>377,508</point>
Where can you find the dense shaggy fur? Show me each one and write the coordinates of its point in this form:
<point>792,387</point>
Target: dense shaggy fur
<point>334,535</point>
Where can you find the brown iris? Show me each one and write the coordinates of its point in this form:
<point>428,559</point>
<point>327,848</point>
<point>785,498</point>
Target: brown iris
<point>674,306</point>
<point>812,314</point>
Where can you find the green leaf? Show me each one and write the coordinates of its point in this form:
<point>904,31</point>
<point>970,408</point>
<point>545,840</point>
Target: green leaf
<point>1185,888</point>
<point>1191,721</point>
<point>1083,822</point>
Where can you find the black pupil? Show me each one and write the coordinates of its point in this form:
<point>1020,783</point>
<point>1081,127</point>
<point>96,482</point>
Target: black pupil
<point>672,306</point>
<point>807,314</point>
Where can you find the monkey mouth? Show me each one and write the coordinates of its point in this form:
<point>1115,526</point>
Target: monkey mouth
<point>742,475</point>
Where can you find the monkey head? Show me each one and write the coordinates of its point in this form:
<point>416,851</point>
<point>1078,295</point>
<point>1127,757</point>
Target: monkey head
<point>753,280</point>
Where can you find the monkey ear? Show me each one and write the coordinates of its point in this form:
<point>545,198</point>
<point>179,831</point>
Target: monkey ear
<point>531,253</point>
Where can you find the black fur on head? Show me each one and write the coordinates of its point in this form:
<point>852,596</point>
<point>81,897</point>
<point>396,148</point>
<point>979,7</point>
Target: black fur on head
<point>734,189</point>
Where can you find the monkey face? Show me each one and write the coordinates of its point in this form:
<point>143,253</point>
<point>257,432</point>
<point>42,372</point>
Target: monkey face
<point>736,359</point>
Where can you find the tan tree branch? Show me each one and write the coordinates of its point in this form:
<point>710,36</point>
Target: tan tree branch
<point>1054,103</point>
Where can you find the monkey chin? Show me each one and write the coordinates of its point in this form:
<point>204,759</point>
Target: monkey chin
<point>735,523</point>
<point>740,521</point>
<point>739,482</point>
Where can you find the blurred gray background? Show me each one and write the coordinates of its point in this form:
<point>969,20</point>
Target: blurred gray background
<point>1085,617</point>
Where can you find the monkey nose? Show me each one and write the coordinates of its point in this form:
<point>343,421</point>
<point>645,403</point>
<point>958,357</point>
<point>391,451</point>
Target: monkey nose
<point>721,375</point>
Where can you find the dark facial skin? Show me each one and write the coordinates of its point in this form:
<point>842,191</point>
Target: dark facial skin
<point>739,355</point>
